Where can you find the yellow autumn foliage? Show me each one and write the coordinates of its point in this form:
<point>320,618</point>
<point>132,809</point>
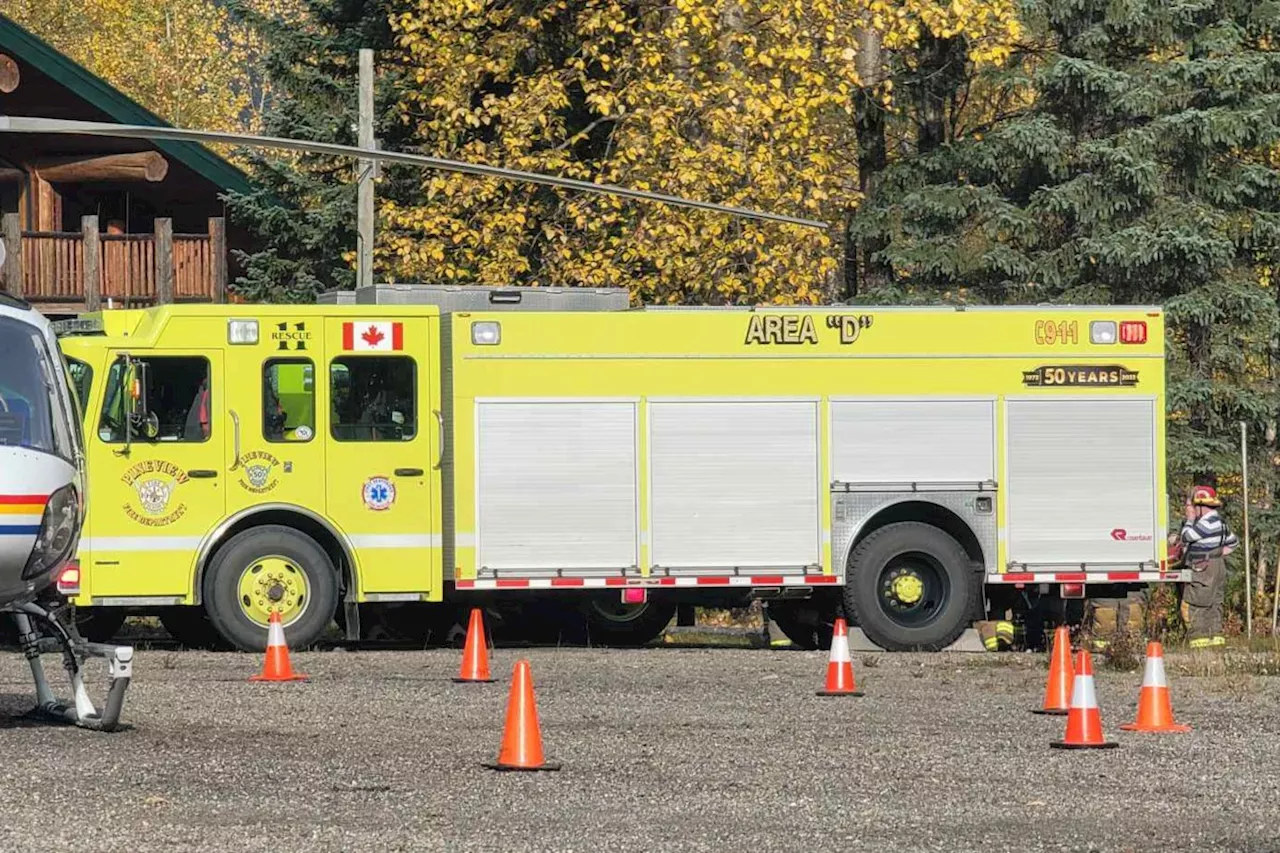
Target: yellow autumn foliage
<point>743,102</point>
<point>187,61</point>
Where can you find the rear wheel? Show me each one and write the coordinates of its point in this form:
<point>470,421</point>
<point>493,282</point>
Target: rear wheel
<point>612,623</point>
<point>268,569</point>
<point>910,588</point>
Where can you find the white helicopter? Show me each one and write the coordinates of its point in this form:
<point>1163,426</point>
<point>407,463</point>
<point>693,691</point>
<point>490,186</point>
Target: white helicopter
<point>42,495</point>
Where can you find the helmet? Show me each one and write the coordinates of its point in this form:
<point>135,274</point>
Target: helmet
<point>1205,496</point>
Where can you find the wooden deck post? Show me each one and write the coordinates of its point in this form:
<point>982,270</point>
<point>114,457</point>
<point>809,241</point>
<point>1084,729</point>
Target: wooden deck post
<point>164,261</point>
<point>218,258</point>
<point>92,263</point>
<point>13,254</point>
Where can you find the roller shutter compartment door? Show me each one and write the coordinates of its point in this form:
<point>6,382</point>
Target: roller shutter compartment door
<point>913,441</point>
<point>734,485</point>
<point>1081,481</point>
<point>556,486</point>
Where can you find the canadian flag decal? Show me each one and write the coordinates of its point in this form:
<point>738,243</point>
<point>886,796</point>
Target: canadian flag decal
<point>373,336</point>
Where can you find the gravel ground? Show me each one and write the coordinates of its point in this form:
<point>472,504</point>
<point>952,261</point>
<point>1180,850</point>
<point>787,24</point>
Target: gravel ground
<point>662,749</point>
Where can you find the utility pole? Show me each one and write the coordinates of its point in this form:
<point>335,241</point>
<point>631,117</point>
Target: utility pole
<point>365,174</point>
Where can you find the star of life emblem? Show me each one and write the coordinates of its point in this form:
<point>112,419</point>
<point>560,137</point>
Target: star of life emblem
<point>379,493</point>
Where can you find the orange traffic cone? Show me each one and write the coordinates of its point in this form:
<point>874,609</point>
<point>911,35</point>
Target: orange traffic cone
<point>1155,708</point>
<point>840,666</point>
<point>1084,722</point>
<point>475,654</point>
<point>1057,691</point>
<point>276,666</point>
<point>521,738</point>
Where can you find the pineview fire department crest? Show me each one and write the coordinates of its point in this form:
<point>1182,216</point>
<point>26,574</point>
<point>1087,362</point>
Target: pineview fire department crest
<point>154,483</point>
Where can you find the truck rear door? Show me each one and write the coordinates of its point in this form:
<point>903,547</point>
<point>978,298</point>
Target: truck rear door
<point>382,452</point>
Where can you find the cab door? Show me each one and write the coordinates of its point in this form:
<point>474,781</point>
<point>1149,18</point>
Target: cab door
<point>156,474</point>
<point>382,451</point>
<point>277,454</point>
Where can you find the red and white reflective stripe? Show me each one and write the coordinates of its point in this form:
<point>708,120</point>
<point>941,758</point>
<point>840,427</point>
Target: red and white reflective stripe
<point>840,649</point>
<point>1087,577</point>
<point>607,583</point>
<point>275,634</point>
<point>1083,695</point>
<point>1153,674</point>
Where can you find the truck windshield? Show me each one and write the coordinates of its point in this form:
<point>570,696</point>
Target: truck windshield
<point>31,411</point>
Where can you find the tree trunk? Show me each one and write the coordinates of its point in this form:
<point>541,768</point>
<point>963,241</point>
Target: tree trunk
<point>862,271</point>
<point>1199,340</point>
<point>938,79</point>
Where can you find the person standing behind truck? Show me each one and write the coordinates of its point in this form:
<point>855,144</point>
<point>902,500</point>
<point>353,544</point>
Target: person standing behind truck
<point>1205,541</point>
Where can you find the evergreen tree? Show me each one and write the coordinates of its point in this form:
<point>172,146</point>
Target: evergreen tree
<point>302,216</point>
<point>1131,158</point>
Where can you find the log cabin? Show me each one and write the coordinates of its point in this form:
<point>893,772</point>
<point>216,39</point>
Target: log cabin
<point>96,219</point>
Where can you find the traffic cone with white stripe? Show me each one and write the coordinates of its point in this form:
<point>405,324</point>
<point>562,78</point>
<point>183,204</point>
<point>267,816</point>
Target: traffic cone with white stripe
<point>1057,690</point>
<point>276,666</point>
<point>1084,721</point>
<point>840,666</point>
<point>475,654</point>
<point>1155,708</point>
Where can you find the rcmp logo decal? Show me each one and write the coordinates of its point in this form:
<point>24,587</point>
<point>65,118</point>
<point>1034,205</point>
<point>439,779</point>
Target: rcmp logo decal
<point>154,484</point>
<point>379,493</point>
<point>259,473</point>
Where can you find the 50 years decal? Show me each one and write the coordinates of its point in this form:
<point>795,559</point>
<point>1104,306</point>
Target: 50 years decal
<point>154,484</point>
<point>1080,376</point>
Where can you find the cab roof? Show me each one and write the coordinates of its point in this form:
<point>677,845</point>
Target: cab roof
<point>128,323</point>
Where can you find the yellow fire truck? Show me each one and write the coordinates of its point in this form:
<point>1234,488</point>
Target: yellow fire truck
<point>914,468</point>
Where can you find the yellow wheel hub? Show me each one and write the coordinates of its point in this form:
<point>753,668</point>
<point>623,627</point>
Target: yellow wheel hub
<point>273,584</point>
<point>908,589</point>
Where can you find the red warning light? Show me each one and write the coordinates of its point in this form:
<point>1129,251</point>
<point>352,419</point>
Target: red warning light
<point>1133,332</point>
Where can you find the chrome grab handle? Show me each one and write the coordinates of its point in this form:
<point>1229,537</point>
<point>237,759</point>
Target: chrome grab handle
<point>235,425</point>
<point>440,435</point>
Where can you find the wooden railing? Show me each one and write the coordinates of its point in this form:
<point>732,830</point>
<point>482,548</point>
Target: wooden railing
<point>86,268</point>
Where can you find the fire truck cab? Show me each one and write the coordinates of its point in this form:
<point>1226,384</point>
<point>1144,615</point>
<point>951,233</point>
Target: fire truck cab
<point>914,469</point>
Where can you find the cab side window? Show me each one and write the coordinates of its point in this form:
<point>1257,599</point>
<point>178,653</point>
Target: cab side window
<point>288,399</point>
<point>178,400</point>
<point>81,380</point>
<point>373,398</point>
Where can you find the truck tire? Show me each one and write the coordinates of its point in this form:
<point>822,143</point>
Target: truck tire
<point>266,568</point>
<point>612,623</point>
<point>911,588</point>
<point>190,627</point>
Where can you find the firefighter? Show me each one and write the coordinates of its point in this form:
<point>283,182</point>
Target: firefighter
<point>1205,541</point>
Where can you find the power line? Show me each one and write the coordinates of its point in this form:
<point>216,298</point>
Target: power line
<point>30,124</point>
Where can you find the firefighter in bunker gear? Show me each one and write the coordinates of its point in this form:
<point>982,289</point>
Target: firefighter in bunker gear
<point>1205,541</point>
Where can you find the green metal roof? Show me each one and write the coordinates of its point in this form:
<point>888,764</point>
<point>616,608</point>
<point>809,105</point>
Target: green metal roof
<point>27,47</point>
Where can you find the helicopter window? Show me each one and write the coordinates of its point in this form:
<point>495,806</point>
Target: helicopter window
<point>288,399</point>
<point>373,398</point>
<point>177,393</point>
<point>30,413</point>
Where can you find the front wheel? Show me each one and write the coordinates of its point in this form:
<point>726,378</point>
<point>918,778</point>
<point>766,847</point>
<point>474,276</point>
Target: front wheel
<point>911,588</point>
<point>266,569</point>
<point>612,623</point>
